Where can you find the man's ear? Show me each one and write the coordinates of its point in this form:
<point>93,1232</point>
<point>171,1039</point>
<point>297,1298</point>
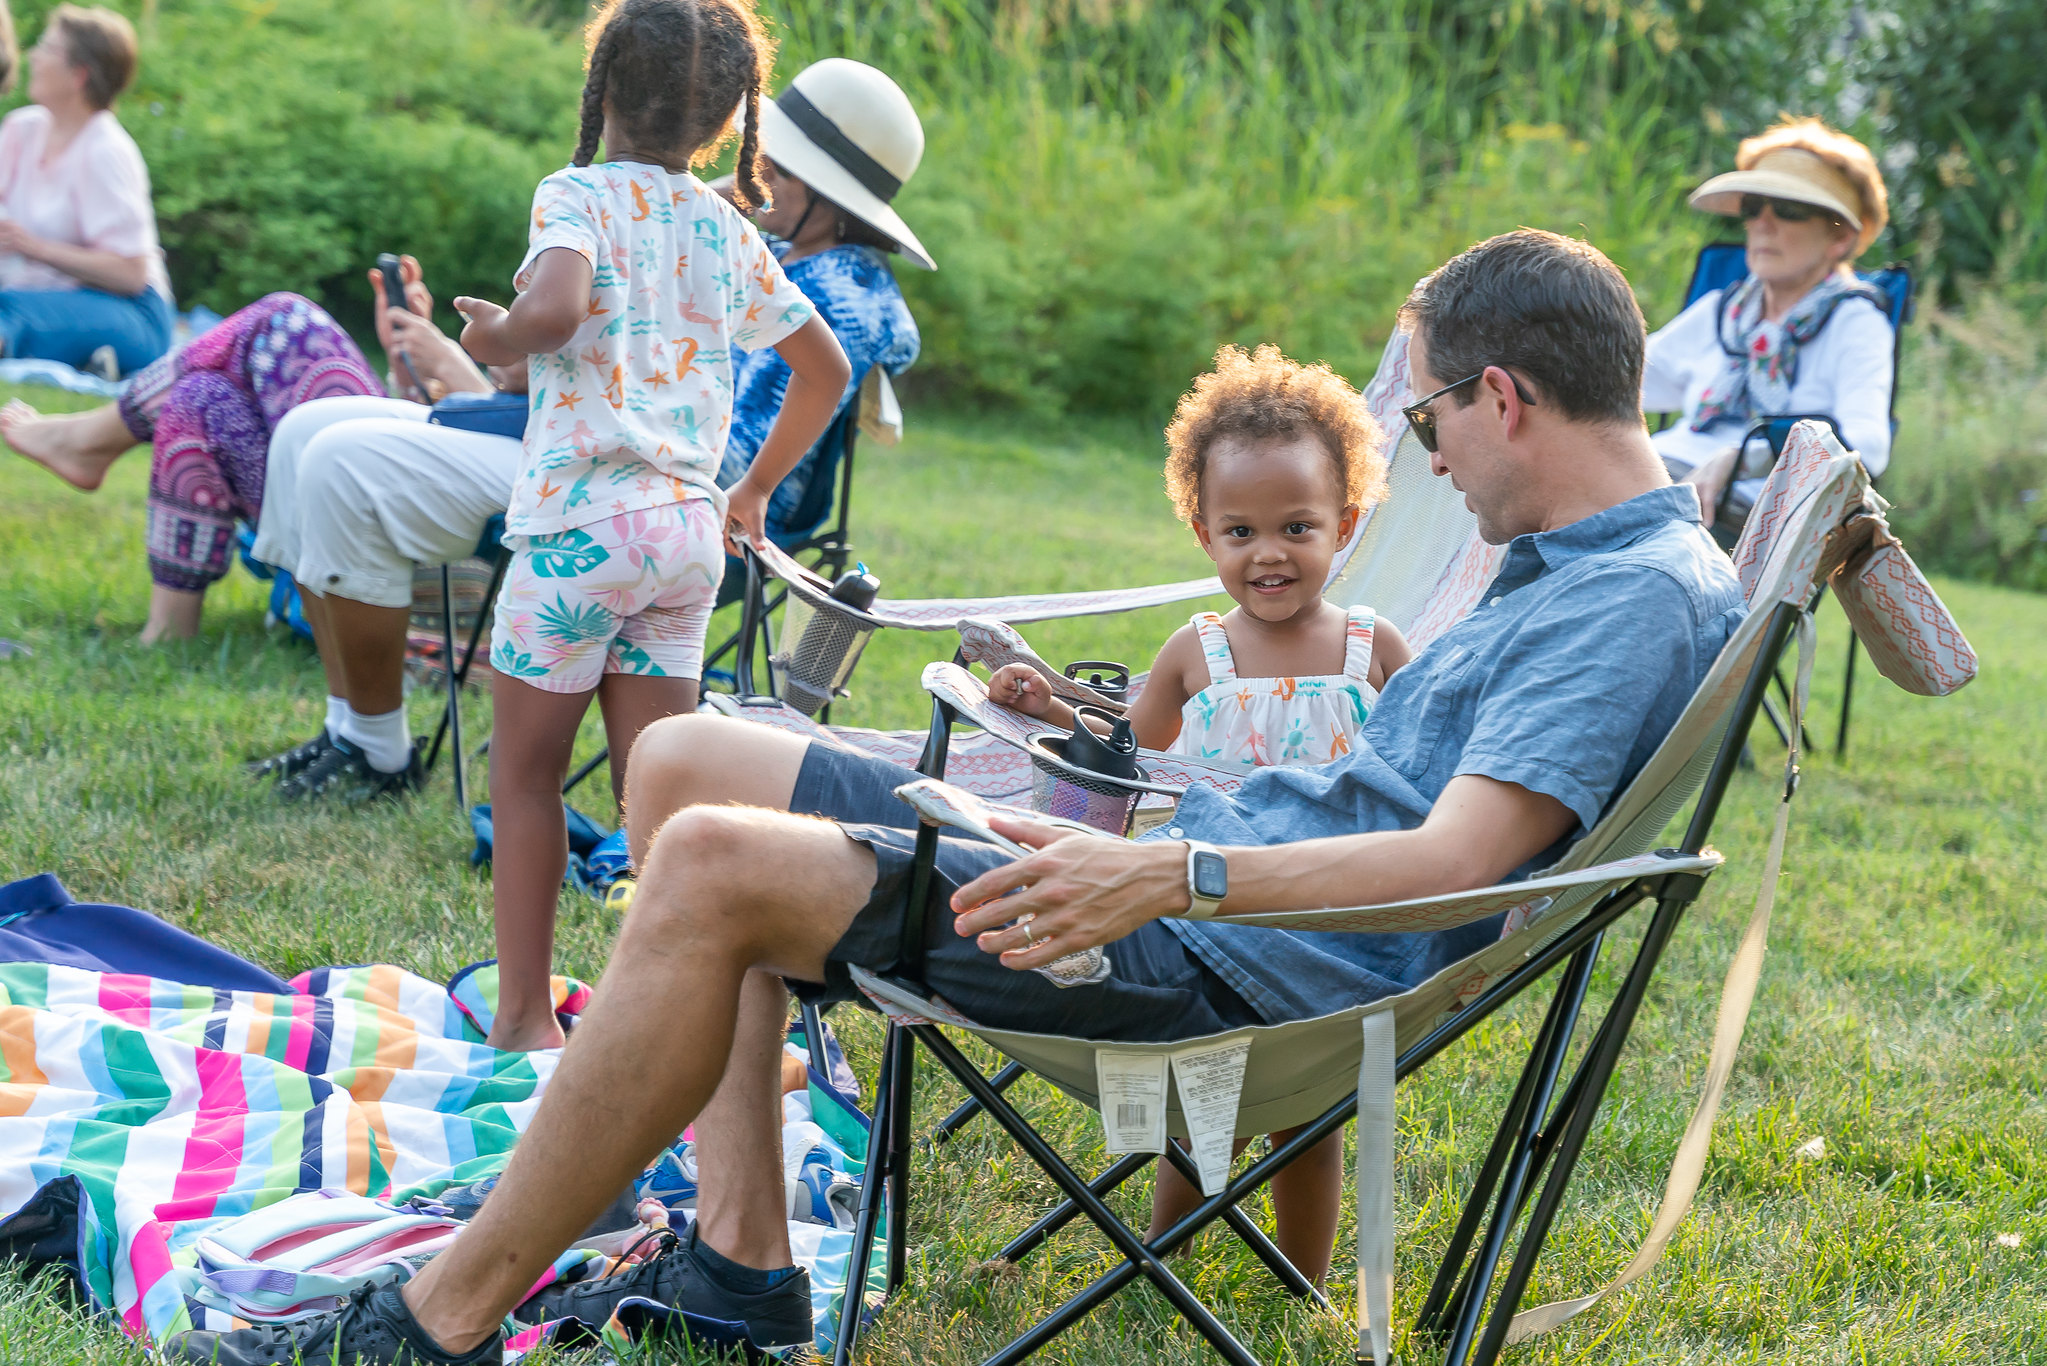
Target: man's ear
<point>1497,388</point>
<point>1347,524</point>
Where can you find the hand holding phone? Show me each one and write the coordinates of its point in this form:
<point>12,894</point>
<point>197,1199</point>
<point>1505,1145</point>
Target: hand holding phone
<point>394,298</point>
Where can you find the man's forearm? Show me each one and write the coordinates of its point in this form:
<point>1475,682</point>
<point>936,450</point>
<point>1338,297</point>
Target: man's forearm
<point>1349,870</point>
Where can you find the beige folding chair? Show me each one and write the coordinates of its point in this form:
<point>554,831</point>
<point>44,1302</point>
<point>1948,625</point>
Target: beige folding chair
<point>1319,1073</point>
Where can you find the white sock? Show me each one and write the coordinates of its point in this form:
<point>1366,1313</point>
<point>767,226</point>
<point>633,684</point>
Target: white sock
<point>382,739</point>
<point>337,714</point>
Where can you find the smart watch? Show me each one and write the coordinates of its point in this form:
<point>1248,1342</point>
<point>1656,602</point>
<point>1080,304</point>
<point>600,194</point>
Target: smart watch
<point>1208,880</point>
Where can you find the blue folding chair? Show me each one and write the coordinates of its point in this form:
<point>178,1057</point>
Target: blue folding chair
<point>1721,265</point>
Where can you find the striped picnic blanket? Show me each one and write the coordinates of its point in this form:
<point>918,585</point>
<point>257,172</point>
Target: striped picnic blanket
<point>162,1109</point>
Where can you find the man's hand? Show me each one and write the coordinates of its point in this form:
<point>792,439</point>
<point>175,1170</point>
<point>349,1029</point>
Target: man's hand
<point>1079,892</point>
<point>440,363</point>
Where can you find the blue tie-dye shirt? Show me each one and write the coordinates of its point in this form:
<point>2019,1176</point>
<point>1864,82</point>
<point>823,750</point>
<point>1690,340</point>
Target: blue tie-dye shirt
<point>855,291</point>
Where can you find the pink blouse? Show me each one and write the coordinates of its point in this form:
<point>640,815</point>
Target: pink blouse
<point>95,193</point>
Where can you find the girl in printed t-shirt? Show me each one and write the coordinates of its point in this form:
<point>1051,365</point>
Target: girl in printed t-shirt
<point>1271,463</point>
<point>638,283</point>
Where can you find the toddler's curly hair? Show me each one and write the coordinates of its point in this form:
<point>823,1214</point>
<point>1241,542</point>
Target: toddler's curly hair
<point>1262,394</point>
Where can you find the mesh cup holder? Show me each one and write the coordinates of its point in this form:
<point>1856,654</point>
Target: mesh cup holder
<point>827,644</point>
<point>1076,794</point>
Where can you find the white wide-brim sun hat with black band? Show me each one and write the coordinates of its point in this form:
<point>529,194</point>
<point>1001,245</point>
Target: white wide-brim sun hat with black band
<point>848,132</point>
<point>1785,173</point>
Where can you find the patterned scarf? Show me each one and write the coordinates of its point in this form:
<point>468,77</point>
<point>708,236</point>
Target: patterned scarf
<point>1762,357</point>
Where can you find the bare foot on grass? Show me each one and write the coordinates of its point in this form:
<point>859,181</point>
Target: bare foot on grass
<point>173,614</point>
<point>76,447</point>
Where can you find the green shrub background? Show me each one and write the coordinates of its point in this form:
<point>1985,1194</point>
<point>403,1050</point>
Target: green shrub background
<point>1113,187</point>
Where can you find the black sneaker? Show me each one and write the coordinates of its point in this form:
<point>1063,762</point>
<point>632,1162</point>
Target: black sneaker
<point>293,761</point>
<point>345,773</point>
<point>373,1327</point>
<point>676,1277</point>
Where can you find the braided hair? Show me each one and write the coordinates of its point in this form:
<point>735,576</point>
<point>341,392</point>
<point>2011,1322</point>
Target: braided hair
<point>673,72</point>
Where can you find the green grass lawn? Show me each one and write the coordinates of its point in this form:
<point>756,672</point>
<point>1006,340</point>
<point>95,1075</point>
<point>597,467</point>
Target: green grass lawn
<point>1902,1017</point>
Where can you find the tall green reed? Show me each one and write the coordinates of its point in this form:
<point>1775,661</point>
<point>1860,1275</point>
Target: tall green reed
<point>1112,189</point>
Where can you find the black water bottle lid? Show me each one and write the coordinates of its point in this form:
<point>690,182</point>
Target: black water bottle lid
<point>1113,755</point>
<point>857,588</point>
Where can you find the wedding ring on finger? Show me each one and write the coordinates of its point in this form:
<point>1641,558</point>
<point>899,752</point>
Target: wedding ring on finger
<point>1024,923</point>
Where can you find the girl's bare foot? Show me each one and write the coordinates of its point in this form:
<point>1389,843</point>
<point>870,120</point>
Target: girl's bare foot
<point>76,447</point>
<point>173,614</point>
<point>512,1037</point>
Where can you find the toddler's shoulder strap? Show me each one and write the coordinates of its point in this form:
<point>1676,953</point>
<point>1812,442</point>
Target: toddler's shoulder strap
<point>1357,645</point>
<point>1215,647</point>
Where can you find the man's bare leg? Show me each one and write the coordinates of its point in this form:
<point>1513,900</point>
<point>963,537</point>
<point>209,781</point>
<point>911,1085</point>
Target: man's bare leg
<point>744,1214</point>
<point>324,644</point>
<point>370,642</point>
<point>724,892</point>
<point>707,760</point>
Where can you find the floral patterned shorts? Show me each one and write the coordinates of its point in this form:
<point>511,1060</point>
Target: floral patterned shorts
<point>629,595</point>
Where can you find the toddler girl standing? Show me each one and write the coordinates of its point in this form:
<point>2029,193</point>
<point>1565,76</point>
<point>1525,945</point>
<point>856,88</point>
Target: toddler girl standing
<point>637,284</point>
<point>1271,463</point>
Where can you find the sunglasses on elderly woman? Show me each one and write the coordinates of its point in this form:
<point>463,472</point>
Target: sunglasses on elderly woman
<point>1787,210</point>
<point>1421,418</point>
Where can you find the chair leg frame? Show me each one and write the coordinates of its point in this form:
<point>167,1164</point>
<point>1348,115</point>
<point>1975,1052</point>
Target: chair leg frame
<point>457,675</point>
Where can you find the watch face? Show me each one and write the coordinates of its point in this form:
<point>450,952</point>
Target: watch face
<point>1211,876</point>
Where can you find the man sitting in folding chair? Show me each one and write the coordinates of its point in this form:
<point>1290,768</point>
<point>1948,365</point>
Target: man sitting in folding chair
<point>1487,754</point>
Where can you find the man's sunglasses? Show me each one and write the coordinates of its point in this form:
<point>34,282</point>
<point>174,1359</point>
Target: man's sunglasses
<point>1787,210</point>
<point>1421,418</point>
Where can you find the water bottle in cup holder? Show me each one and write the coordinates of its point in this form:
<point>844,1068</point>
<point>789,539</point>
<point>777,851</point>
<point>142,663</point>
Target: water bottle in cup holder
<point>828,643</point>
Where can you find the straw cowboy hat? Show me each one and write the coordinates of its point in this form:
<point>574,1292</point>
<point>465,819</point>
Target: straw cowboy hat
<point>848,132</point>
<point>1785,173</point>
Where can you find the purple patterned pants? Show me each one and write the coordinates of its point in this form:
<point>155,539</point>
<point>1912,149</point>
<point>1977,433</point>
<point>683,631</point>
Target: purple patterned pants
<point>207,412</point>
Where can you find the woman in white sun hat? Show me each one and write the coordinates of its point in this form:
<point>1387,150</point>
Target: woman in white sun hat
<point>1801,334</point>
<point>837,145</point>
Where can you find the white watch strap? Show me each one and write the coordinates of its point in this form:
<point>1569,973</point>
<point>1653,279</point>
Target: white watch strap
<point>1199,907</point>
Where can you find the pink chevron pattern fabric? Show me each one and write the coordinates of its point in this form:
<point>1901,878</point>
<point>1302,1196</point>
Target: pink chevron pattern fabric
<point>1458,591</point>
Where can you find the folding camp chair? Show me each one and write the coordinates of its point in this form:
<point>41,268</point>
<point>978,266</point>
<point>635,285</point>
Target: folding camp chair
<point>1724,264</point>
<point>1817,513</point>
<point>490,546</point>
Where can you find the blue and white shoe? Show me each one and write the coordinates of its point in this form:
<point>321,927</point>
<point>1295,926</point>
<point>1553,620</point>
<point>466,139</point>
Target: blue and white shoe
<point>821,1194</point>
<point>672,1179</point>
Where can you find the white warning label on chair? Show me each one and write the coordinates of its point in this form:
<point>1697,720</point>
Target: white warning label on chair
<point>1211,1081</point>
<point>1133,1087</point>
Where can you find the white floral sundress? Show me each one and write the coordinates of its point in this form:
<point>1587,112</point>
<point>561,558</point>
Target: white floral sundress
<point>1267,722</point>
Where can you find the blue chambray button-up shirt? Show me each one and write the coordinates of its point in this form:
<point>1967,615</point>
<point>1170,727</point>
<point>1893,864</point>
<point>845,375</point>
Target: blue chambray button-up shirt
<point>1577,662</point>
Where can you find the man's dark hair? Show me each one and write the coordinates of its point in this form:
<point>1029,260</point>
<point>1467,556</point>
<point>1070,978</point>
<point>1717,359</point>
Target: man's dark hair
<point>1551,309</point>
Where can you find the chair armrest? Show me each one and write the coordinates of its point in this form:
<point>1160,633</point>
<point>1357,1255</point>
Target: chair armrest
<point>940,804</point>
<point>945,614</point>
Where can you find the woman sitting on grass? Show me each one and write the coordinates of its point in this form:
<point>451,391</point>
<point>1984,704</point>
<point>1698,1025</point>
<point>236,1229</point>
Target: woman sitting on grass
<point>207,412</point>
<point>82,279</point>
<point>1271,463</point>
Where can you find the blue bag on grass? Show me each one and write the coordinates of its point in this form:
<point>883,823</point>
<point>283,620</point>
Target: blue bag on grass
<point>586,838</point>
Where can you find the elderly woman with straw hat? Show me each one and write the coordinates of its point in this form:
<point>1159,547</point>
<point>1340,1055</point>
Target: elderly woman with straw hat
<point>1801,334</point>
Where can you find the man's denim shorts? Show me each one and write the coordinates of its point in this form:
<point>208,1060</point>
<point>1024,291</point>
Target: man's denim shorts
<point>1156,992</point>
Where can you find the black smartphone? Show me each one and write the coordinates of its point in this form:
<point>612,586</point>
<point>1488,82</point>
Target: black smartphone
<point>394,297</point>
<point>394,282</point>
